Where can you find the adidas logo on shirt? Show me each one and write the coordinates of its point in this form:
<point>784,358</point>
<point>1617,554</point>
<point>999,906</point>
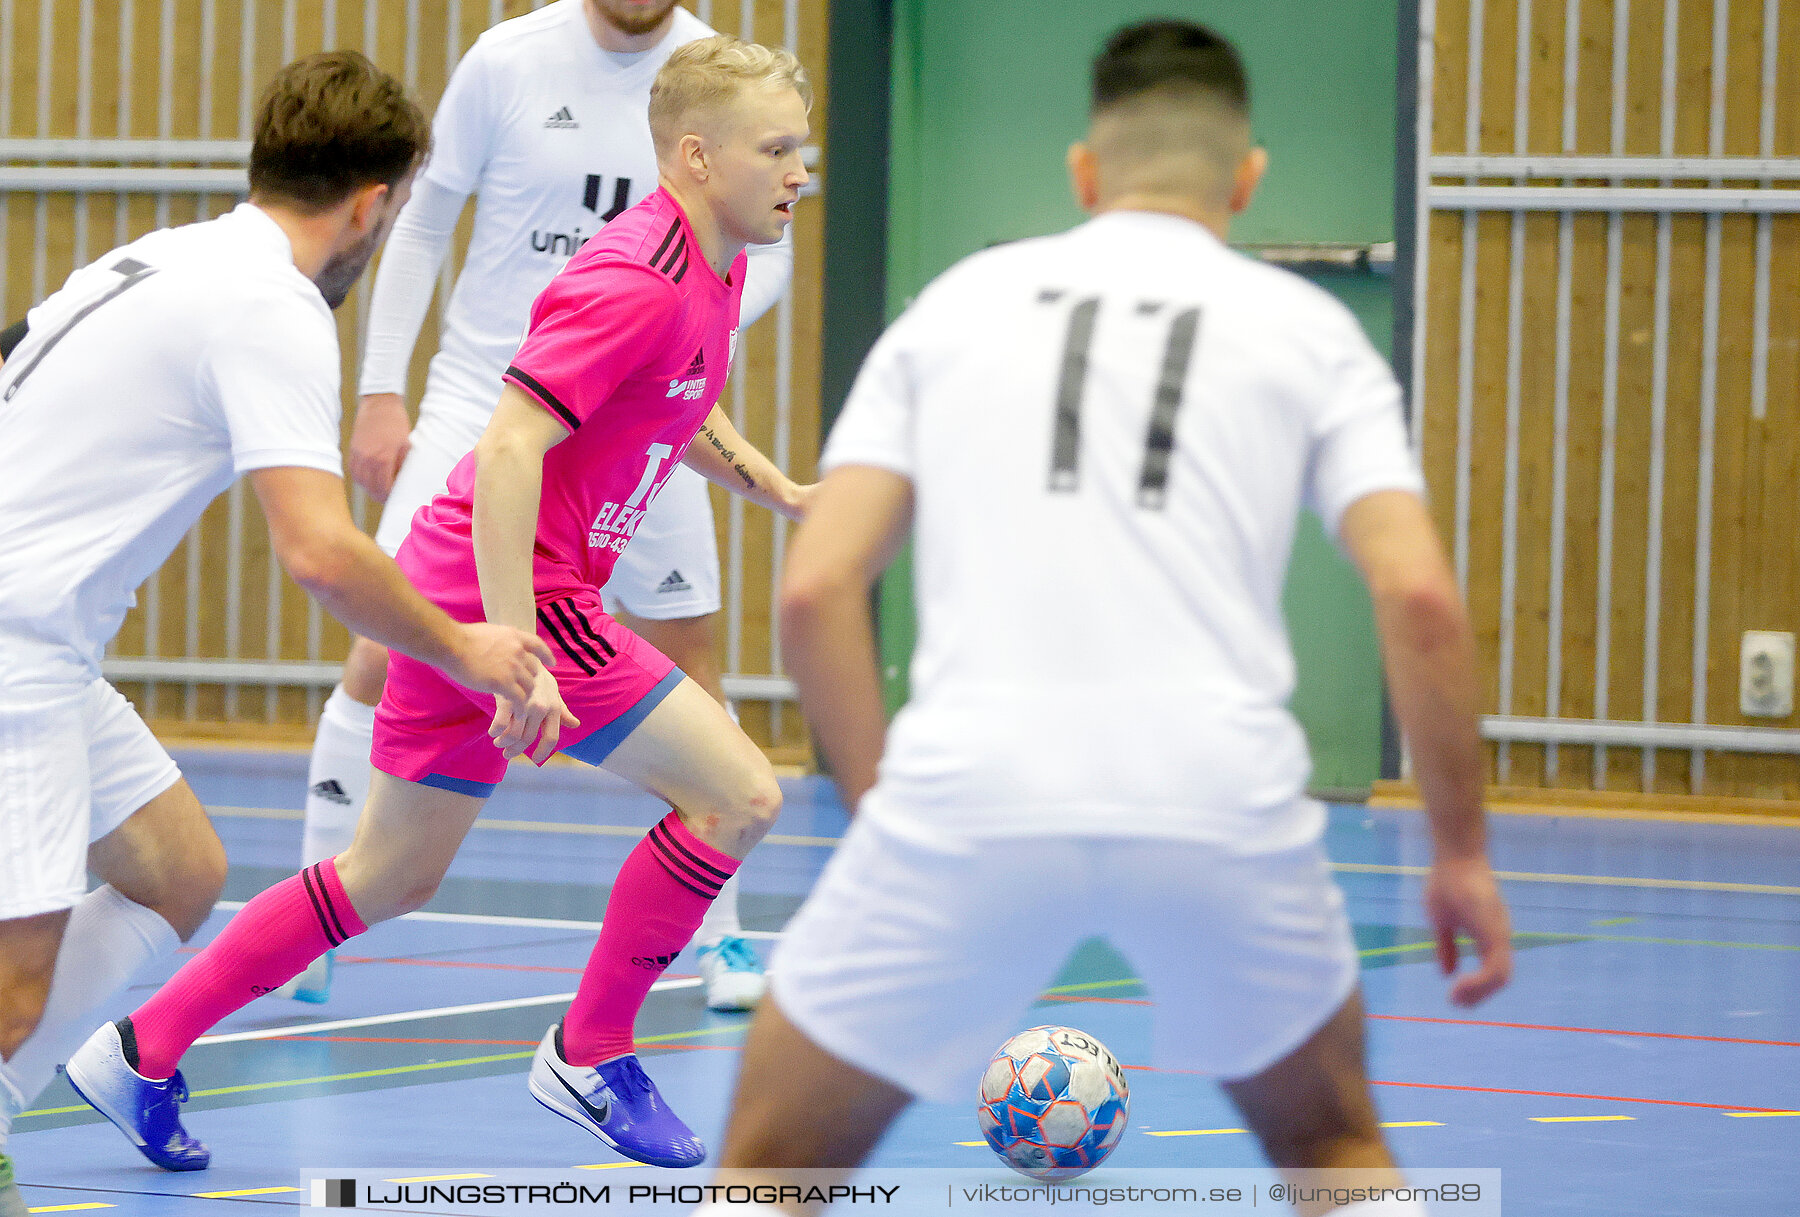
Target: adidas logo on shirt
<point>674,583</point>
<point>693,381</point>
<point>562,120</point>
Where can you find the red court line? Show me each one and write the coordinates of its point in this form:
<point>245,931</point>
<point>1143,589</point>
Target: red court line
<point>1655,1035</point>
<point>1105,1001</point>
<point>1558,1094</point>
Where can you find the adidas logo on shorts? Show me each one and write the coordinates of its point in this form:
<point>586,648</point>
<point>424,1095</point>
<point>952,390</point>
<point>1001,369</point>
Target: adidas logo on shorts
<point>674,583</point>
<point>562,120</point>
<point>331,792</point>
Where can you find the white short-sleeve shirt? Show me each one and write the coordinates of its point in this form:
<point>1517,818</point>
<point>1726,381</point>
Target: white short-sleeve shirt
<point>1111,433</point>
<point>152,379</point>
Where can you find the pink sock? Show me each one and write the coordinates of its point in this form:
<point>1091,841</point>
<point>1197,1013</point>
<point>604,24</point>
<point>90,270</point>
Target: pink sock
<point>267,944</point>
<point>661,894</point>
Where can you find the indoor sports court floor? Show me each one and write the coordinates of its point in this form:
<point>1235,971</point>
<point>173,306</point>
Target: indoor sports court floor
<point>1645,1060</point>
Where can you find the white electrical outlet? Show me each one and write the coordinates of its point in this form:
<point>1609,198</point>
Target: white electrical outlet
<point>1766,674</point>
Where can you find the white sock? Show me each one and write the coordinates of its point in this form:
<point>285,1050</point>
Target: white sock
<point>337,782</point>
<point>721,920</point>
<point>108,941</point>
<point>1382,1208</point>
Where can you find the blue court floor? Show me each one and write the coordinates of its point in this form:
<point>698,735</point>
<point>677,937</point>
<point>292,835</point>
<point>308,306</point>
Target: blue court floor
<point>1645,1060</point>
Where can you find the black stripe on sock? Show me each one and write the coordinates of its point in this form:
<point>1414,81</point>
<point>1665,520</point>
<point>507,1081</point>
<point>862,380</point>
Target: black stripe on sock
<point>675,873</point>
<point>546,396</point>
<point>306,880</point>
<point>583,664</point>
<point>563,615</point>
<point>318,869</point>
<point>667,237</point>
<point>687,853</point>
<point>587,627</point>
<point>679,866</point>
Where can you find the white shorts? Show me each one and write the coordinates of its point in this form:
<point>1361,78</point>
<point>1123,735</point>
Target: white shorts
<point>916,956</point>
<point>75,762</point>
<point>669,571</point>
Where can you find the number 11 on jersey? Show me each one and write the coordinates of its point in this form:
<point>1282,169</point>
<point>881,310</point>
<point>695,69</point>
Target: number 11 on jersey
<point>1071,384</point>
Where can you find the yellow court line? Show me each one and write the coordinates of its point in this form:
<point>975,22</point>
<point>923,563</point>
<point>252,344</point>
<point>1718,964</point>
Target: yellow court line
<point>70,1208</point>
<point>1578,1119</point>
<point>249,1191</point>
<point>439,1178</point>
<point>608,1166</point>
<point>1759,1115</point>
<point>970,1143</point>
<point>1415,1124</point>
<point>1195,1132</point>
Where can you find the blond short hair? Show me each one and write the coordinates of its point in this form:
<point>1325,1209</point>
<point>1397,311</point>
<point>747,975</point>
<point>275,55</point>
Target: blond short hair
<point>707,75</point>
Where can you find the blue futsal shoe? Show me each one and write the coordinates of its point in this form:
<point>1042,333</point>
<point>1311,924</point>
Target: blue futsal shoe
<point>148,1112</point>
<point>616,1101</point>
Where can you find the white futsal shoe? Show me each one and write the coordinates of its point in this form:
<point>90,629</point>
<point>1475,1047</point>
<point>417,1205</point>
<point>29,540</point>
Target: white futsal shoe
<point>732,974</point>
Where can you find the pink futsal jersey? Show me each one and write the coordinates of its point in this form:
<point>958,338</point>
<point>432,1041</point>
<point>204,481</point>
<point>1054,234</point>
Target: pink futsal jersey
<point>629,347</point>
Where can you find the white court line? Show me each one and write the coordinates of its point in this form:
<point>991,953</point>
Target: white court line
<point>407,1016</point>
<point>535,923</point>
<point>547,826</point>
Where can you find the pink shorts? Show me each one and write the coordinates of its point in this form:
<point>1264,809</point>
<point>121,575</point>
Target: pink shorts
<point>430,730</point>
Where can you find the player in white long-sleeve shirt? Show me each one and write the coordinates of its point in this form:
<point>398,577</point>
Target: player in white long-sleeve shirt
<point>545,121</point>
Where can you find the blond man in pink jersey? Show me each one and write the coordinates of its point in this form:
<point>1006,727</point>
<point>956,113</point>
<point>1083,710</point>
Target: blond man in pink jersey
<point>617,380</point>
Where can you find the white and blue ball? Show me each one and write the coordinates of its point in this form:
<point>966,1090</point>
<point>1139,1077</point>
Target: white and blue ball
<point>1053,1103</point>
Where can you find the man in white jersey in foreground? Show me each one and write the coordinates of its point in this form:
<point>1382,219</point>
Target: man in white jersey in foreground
<point>1116,428</point>
<point>140,390</point>
<point>546,122</point>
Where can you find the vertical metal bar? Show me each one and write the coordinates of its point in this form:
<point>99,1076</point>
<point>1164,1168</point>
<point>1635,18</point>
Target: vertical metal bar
<point>1559,481</point>
<point>1659,397</point>
<point>1709,382</point>
<point>40,257</point>
<point>272,636</point>
<point>371,27</point>
<point>209,33</point>
<point>84,122</point>
<point>453,20</point>
<point>411,76</point>
<point>246,68</point>
<point>1465,399</point>
<point>1659,417</point>
<point>703,10</point>
<point>734,512</point>
<point>1515,316</point>
<point>496,11</point>
<point>1472,118</point>
<point>790,38</point>
<point>1765,228</point>
<point>328,36</point>
<point>1621,66</point>
<point>747,20</point>
<point>1426,48</point>
<point>191,618</point>
<point>783,454</point>
<point>1709,371</point>
<point>1609,445</point>
<point>290,31</point>
<point>1509,525</point>
<point>8,30</point>
<point>1571,74</point>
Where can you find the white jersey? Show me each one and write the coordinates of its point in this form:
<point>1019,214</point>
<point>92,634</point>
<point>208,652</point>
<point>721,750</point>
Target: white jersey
<point>552,135</point>
<point>1110,433</point>
<point>147,383</point>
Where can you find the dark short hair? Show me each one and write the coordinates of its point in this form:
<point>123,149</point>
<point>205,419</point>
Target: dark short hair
<point>1169,55</point>
<point>330,124</point>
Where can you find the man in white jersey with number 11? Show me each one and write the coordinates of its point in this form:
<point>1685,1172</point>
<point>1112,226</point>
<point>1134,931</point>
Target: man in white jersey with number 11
<point>545,121</point>
<point>1115,427</point>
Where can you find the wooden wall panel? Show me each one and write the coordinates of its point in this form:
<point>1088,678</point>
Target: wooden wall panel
<point>1655,592</point>
<point>193,69</point>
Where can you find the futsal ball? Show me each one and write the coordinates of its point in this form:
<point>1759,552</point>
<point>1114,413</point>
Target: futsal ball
<point>1053,1103</point>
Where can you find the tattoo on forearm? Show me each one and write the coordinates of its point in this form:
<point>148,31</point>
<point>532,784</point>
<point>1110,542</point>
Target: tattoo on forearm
<point>730,457</point>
